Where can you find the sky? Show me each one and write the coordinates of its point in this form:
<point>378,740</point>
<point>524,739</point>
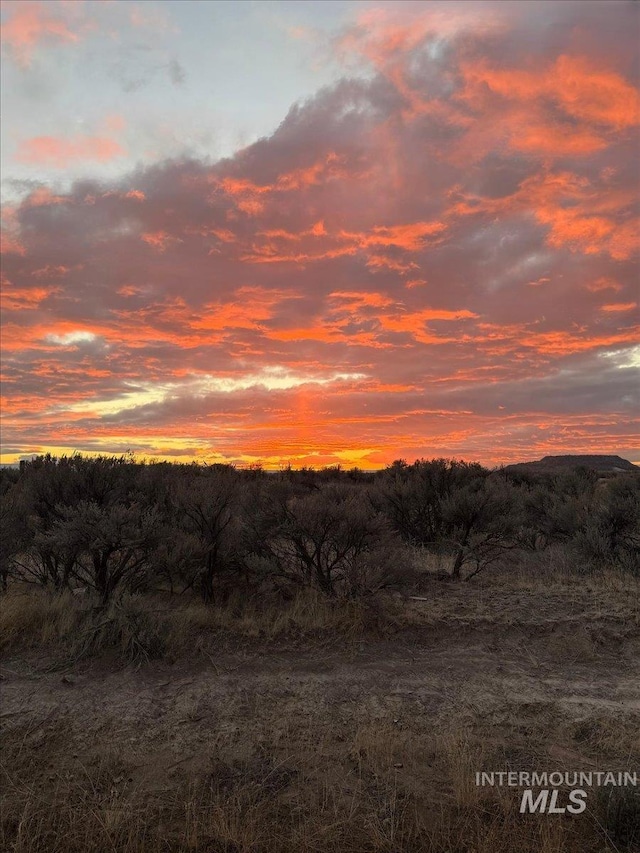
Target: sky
<point>319,233</point>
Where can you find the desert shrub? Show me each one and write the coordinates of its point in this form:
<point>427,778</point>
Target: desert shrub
<point>206,545</point>
<point>113,525</point>
<point>46,492</point>
<point>610,533</point>
<point>482,519</point>
<point>412,496</point>
<point>333,540</point>
<point>14,539</point>
<point>452,507</point>
<point>111,544</point>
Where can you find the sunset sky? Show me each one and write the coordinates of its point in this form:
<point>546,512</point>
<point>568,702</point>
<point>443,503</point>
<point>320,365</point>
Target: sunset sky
<point>320,232</point>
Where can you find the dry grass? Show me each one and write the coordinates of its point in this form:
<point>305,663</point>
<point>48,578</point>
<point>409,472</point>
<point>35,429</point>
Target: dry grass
<point>535,589</point>
<point>307,614</point>
<point>139,628</point>
<point>35,617</point>
<point>584,613</point>
<point>278,766</point>
<point>310,803</point>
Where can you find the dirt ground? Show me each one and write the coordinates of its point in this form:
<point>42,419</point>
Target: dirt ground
<point>482,679</point>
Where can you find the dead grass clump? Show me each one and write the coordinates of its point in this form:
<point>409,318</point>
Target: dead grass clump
<point>128,626</point>
<point>571,644</point>
<point>608,735</point>
<point>560,568</point>
<point>381,746</point>
<point>138,628</point>
<point>307,614</point>
<point>430,564</point>
<point>461,758</point>
<point>37,617</point>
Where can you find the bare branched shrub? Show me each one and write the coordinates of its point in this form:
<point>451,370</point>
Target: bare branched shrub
<point>336,541</point>
<point>412,496</point>
<point>207,545</point>
<point>610,535</point>
<point>112,525</point>
<point>46,493</point>
<point>112,544</point>
<point>481,522</point>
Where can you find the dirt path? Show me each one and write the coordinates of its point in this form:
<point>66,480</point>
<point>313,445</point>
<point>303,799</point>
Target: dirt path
<point>416,678</point>
<point>334,734</point>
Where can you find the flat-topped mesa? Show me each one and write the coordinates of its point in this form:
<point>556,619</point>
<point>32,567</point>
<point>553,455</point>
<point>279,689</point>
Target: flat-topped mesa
<point>603,463</point>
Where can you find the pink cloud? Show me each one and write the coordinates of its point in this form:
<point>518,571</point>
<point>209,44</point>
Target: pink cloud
<point>159,240</point>
<point>60,153</point>
<point>616,307</point>
<point>29,24</point>
<point>114,123</point>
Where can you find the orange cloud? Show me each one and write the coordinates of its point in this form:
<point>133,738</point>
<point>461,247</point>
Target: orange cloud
<point>251,198</point>
<point>268,254</point>
<point>617,307</point>
<point>384,262</point>
<point>20,299</point>
<point>159,240</point>
<point>60,153</point>
<point>241,187</point>
<point>540,136</point>
<point>316,230</point>
<point>503,340</point>
<point>594,94</point>
<point>580,215</point>
<point>331,166</point>
<point>410,237</point>
<point>604,283</point>
<point>10,244</point>
<point>31,23</point>
<point>250,308</point>
<point>579,88</point>
<point>43,197</point>
<point>416,323</point>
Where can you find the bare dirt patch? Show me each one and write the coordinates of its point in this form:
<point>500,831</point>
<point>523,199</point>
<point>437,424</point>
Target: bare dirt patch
<point>338,743</point>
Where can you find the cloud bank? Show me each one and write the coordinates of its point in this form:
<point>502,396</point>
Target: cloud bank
<point>437,255</point>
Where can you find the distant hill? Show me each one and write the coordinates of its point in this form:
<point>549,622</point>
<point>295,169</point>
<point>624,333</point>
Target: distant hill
<point>597,462</point>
